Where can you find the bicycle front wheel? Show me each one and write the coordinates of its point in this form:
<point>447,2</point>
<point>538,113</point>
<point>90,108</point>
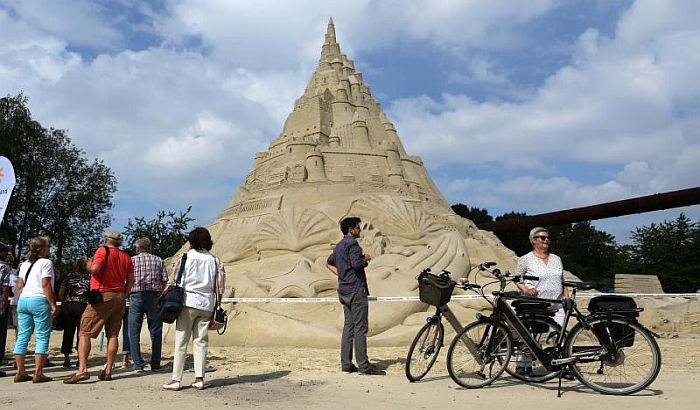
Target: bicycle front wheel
<point>614,356</point>
<point>424,350</point>
<point>523,364</point>
<point>478,354</point>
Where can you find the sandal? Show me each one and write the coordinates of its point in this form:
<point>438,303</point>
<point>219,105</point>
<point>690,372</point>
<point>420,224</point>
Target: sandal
<point>77,377</point>
<point>104,376</point>
<point>20,378</point>
<point>41,379</point>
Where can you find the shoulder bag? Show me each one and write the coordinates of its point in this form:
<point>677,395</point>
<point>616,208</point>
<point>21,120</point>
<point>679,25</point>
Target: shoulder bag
<point>94,296</point>
<point>219,319</point>
<point>172,300</point>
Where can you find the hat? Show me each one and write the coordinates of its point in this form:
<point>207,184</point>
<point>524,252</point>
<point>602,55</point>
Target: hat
<point>113,235</point>
<point>4,246</point>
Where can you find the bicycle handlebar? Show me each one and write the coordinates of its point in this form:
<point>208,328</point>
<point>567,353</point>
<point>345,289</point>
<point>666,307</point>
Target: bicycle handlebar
<point>526,277</point>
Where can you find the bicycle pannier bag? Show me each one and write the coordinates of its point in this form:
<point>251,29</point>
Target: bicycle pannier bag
<point>435,290</point>
<point>622,335</point>
<point>526,309</point>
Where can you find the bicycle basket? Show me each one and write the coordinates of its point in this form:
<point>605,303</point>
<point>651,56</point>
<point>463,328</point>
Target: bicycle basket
<point>622,335</point>
<point>435,290</point>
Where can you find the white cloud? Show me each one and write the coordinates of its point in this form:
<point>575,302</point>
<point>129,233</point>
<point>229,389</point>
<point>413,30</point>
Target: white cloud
<point>79,22</point>
<point>223,75</point>
<point>623,102</point>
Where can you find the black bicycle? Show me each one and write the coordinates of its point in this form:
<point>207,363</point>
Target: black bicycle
<point>607,350</point>
<point>436,290</point>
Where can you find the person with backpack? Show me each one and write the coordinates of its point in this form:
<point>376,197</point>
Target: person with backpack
<point>112,277</point>
<point>35,309</point>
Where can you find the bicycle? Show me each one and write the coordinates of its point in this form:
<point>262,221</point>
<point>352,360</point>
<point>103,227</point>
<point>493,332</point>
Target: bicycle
<point>607,350</point>
<point>426,346</point>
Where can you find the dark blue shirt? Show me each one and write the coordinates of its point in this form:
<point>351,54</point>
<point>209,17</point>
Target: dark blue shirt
<point>347,258</point>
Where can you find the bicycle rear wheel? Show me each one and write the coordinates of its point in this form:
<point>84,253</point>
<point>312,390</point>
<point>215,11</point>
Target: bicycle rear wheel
<point>478,354</point>
<point>631,364</point>
<point>424,350</point>
<point>523,364</point>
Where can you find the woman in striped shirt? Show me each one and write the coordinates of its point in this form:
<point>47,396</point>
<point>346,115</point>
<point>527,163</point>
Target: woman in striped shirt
<point>73,292</point>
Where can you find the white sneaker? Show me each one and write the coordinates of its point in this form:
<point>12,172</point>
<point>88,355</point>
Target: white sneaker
<point>172,386</point>
<point>198,385</point>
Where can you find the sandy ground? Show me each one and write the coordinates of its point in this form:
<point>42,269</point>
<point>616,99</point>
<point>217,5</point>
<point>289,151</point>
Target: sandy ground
<point>291,378</point>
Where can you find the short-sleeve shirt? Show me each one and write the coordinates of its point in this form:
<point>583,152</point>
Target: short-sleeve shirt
<point>43,268</point>
<point>112,277</point>
<point>550,285</point>
<point>149,273</point>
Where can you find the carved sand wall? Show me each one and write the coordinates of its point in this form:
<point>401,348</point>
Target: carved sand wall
<point>338,155</point>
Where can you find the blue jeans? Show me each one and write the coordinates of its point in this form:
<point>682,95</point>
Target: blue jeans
<point>33,313</point>
<point>126,343</point>
<point>141,303</point>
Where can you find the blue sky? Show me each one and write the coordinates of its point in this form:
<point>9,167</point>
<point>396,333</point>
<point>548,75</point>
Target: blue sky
<point>532,106</point>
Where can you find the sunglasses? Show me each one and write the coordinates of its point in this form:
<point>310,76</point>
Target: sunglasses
<point>544,238</point>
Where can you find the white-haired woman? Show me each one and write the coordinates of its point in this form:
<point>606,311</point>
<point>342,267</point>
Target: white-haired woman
<point>547,267</point>
<point>550,285</point>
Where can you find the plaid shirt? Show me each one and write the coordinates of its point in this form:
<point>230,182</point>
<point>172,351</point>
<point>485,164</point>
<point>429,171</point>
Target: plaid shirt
<point>149,273</point>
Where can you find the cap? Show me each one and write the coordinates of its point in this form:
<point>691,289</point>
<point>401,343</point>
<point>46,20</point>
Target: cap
<point>113,235</point>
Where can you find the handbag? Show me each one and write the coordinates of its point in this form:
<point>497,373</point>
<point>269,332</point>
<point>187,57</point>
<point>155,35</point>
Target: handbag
<point>170,303</point>
<point>219,319</point>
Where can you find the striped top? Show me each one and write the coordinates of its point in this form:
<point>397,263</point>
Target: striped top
<point>149,273</point>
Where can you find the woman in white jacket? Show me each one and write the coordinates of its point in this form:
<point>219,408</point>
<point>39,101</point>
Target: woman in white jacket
<point>202,272</point>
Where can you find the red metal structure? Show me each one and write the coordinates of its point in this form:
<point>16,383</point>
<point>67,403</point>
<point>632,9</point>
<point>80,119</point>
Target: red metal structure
<point>656,202</point>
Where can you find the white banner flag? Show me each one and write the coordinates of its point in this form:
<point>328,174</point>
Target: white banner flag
<point>7,184</point>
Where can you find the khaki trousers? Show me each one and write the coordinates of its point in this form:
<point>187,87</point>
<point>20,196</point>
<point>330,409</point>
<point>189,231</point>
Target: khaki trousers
<point>192,323</point>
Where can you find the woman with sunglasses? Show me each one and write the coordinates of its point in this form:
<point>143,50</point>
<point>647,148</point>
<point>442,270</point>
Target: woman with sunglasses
<point>550,271</point>
<point>547,266</point>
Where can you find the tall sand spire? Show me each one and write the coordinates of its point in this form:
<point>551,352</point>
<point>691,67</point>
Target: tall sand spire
<point>337,155</point>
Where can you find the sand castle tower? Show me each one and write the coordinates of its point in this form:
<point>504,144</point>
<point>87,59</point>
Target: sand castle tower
<point>337,155</point>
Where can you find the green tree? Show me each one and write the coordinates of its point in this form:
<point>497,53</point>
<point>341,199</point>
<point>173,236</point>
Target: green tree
<point>515,240</point>
<point>587,252</point>
<point>670,250</point>
<point>476,215</point>
<point>59,192</point>
<point>167,231</point>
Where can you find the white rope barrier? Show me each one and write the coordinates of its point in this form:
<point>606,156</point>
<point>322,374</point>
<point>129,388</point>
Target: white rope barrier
<point>456,297</point>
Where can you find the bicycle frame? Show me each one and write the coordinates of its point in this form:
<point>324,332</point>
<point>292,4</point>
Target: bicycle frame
<point>504,313</point>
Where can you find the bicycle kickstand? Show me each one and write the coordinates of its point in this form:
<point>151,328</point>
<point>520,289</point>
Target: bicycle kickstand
<point>561,373</point>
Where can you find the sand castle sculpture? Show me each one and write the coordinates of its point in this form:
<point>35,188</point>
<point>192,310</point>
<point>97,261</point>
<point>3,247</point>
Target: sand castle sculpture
<point>338,155</point>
